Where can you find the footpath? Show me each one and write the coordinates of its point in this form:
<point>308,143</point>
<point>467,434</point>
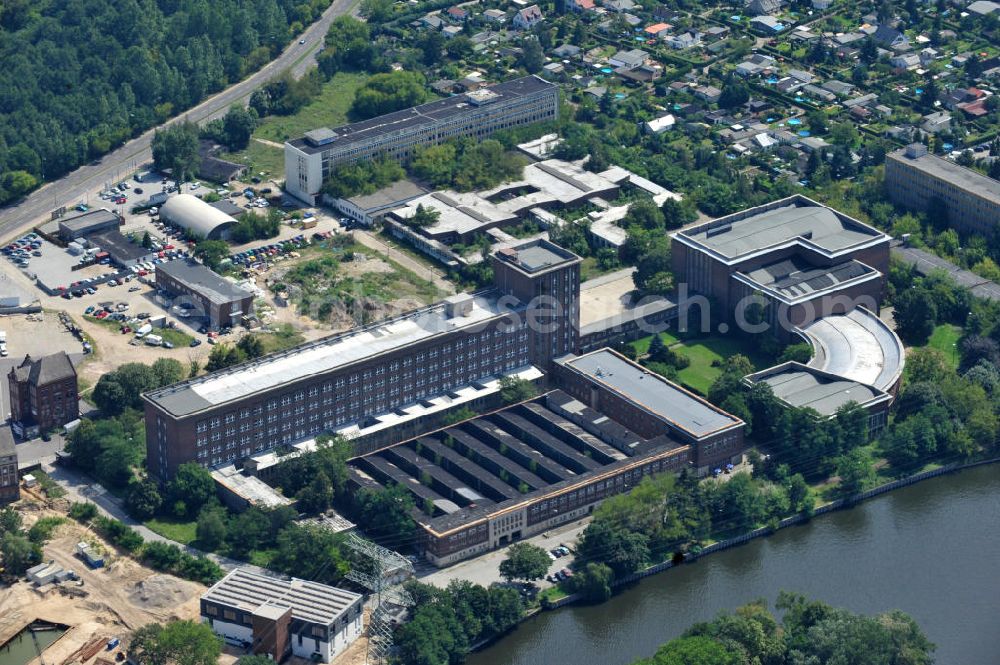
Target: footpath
<point>81,488</point>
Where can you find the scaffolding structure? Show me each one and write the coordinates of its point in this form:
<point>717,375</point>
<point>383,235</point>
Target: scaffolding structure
<point>383,578</point>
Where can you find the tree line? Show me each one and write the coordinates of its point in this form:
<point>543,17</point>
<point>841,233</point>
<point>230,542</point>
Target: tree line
<point>808,631</point>
<point>72,89</point>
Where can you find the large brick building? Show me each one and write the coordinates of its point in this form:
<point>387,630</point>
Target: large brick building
<point>218,300</point>
<point>478,114</point>
<point>806,260</point>
<point>9,490</point>
<point>42,394</point>
<point>350,379</point>
<point>915,179</point>
<point>517,471</point>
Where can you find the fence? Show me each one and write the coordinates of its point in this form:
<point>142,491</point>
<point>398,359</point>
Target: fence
<point>839,504</point>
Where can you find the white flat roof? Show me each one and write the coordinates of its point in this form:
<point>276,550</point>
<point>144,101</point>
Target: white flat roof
<point>318,357</point>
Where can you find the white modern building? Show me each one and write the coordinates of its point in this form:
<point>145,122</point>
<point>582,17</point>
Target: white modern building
<point>276,617</point>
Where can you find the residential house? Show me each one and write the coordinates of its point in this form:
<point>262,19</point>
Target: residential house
<point>451,31</point>
<point>838,88</point>
<point>905,61</point>
<point>657,30</point>
<point>716,32</point>
<point>566,51</point>
<point>497,16</point>
<point>816,92</point>
<point>929,55</point>
<point>766,25</point>
<point>433,21</point>
<point>813,144</point>
<point>645,73</point>
<point>821,5</point>
<point>889,37</point>
<point>755,64</point>
<point>883,110</point>
<point>580,6</point>
<point>527,18</point>
<point>801,75</point>
<point>631,58</point>
<point>459,14</point>
<point>762,7</point>
<point>860,113</point>
<point>631,20</point>
<point>618,6</point>
<point>443,86</point>
<point>659,125</point>
<point>708,93</point>
<point>934,123</point>
<point>976,108</point>
<point>554,68</point>
<point>684,40</point>
<point>982,7</point>
<point>789,84</point>
<point>862,100</point>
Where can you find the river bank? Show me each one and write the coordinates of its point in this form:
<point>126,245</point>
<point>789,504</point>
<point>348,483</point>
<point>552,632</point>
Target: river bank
<point>518,647</point>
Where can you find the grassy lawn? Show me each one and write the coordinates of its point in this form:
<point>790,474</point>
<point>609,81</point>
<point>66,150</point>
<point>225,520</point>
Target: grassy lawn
<point>329,109</point>
<point>176,337</point>
<point>700,374</point>
<point>181,532</point>
<point>703,352</point>
<point>262,558</point>
<point>261,158</point>
<point>589,269</point>
<point>642,345</point>
<point>945,339</point>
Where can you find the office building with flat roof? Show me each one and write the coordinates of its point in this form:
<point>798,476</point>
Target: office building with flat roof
<point>353,378</point>
<point>652,406</point>
<point>801,386</point>
<point>806,260</point>
<point>276,617</point>
<point>477,114</point>
<point>915,179</point>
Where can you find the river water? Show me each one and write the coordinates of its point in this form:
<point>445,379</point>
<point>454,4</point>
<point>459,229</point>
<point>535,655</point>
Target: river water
<point>931,550</point>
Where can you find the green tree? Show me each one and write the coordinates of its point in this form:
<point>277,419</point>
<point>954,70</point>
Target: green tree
<point>211,529</point>
<point>237,126</point>
<point>424,217</point>
<point>376,11</point>
<point>192,486</point>
<point>315,497</point>
<point>211,252</point>
<point>18,552</point>
<point>435,163</point>
<point>525,561</point>
<point>532,55</point>
<point>176,148</point>
<point>387,513</point>
<point>734,93</point>
<point>593,581</point>
<point>696,650</point>
<point>384,93</point>
<point>515,389</point>
<point>915,313</point>
<point>677,213</point>
<point>189,643</point>
<point>856,472</point>
<point>310,552</point>
<point>143,500</point>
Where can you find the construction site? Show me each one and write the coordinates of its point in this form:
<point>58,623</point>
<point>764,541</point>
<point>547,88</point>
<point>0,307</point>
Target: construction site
<point>69,613</point>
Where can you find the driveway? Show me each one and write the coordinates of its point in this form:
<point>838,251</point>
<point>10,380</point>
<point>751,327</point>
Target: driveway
<point>81,488</point>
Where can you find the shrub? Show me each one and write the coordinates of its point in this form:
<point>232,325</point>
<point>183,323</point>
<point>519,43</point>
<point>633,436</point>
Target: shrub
<point>83,512</point>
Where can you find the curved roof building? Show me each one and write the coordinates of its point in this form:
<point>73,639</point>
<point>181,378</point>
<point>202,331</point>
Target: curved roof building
<point>194,215</point>
<point>858,346</point>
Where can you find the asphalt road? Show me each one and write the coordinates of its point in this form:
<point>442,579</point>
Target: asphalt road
<point>117,165</point>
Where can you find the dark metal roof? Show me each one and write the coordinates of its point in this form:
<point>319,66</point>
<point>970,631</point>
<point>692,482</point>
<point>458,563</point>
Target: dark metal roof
<point>45,370</point>
<point>203,280</point>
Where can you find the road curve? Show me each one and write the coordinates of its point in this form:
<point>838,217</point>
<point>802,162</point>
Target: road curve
<point>117,165</point>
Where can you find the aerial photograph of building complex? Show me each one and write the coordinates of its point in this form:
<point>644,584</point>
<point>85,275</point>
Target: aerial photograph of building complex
<point>612,332</point>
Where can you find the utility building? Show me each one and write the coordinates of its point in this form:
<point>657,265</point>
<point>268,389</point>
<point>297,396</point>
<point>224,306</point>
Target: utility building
<point>276,617</point>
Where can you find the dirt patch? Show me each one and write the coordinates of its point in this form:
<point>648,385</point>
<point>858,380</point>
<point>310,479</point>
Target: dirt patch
<point>162,592</point>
